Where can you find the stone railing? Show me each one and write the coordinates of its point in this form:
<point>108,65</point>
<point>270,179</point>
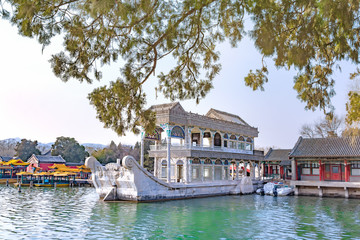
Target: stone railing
<point>163,147</point>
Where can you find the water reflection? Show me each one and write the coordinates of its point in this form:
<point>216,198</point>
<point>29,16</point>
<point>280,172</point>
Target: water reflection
<point>78,214</point>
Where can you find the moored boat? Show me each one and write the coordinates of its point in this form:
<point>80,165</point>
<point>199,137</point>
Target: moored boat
<point>127,180</point>
<point>194,156</point>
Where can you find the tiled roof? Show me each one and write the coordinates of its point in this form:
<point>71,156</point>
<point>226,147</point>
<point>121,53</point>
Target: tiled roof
<point>213,113</point>
<point>50,159</point>
<point>74,163</point>
<point>6,159</point>
<point>278,155</point>
<point>327,147</point>
<point>165,106</point>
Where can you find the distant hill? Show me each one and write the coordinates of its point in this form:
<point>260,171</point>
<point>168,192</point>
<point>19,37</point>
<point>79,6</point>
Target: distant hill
<point>7,146</point>
<point>90,147</point>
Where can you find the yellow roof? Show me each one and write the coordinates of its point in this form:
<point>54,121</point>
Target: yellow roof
<point>43,174</point>
<point>24,173</point>
<point>83,168</point>
<point>16,162</point>
<point>63,168</point>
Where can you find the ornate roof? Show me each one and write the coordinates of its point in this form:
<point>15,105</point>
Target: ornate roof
<point>173,113</point>
<point>278,155</point>
<point>327,147</point>
<point>213,113</point>
<point>50,159</point>
<point>5,158</point>
<point>164,107</point>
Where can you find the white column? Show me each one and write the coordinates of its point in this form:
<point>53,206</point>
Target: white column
<point>202,170</point>
<point>189,171</point>
<point>168,158</point>
<point>252,171</point>
<point>189,136</point>
<point>186,169</point>
<point>201,137</point>
<point>186,136</point>
<point>155,167</point>
<point>213,171</point>
<point>222,139</point>
<point>222,173</point>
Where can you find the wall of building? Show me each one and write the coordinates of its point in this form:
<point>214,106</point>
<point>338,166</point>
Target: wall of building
<point>45,166</point>
<point>354,179</point>
<point>309,178</point>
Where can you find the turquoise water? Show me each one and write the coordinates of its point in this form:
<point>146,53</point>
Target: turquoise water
<point>78,214</point>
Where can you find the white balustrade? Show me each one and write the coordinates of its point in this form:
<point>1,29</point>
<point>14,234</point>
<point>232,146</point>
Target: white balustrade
<point>163,147</point>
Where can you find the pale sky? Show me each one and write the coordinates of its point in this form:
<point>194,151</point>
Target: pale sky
<point>36,105</point>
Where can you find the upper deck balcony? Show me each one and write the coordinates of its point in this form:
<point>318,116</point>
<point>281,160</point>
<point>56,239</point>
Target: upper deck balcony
<point>163,147</point>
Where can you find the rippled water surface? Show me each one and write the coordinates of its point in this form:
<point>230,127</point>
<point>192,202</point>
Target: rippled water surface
<point>79,214</point>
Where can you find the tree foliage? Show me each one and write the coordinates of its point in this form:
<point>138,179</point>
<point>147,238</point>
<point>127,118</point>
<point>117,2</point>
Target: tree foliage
<point>148,162</point>
<point>114,152</point>
<point>26,148</point>
<point>69,149</point>
<point>311,36</point>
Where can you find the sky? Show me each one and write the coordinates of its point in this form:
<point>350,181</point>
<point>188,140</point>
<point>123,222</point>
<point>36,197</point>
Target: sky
<point>36,105</point>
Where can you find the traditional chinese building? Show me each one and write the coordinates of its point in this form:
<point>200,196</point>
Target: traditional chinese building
<point>197,148</point>
<point>43,162</point>
<point>277,164</point>
<point>326,166</point>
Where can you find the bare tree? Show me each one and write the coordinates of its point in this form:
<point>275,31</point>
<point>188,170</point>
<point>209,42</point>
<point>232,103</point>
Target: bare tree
<point>307,131</point>
<point>7,148</point>
<point>324,128</point>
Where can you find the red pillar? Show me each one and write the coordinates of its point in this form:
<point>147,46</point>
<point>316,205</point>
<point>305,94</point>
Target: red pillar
<point>320,171</point>
<point>269,170</point>
<point>281,171</point>
<point>346,171</point>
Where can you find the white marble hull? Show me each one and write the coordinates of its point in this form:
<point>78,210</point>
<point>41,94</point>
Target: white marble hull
<point>127,180</point>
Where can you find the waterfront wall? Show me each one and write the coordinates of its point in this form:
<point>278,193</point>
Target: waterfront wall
<point>326,189</point>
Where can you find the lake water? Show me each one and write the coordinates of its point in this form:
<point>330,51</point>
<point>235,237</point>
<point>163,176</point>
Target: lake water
<point>78,214</point>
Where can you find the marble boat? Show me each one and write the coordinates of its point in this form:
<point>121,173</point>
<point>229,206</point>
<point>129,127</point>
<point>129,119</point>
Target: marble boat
<point>127,180</point>
<point>194,156</point>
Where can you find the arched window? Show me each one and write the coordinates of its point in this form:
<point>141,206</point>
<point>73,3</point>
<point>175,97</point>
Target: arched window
<point>207,161</point>
<point>218,162</point>
<point>155,135</point>
<point>217,140</point>
<point>179,162</point>
<point>196,161</point>
<point>232,142</point>
<point>249,145</point>
<point>241,143</point>
<point>226,162</point>
<point>177,132</point>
